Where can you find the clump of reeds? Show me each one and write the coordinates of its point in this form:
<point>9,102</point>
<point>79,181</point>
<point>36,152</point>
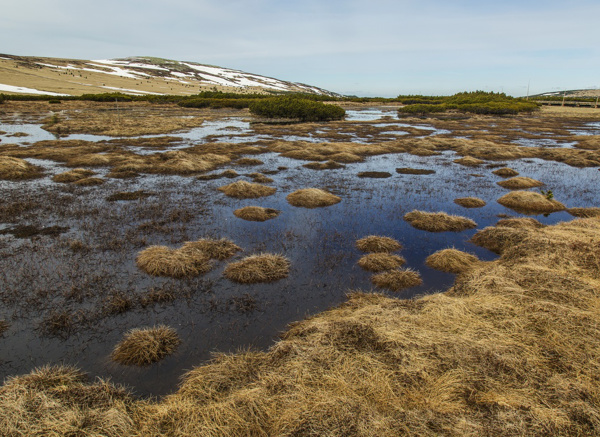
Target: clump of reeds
<point>89,160</point>
<point>520,223</point>
<point>345,157</point>
<point>260,178</point>
<point>529,201</point>
<point>256,213</point>
<point>397,280</point>
<point>247,190</point>
<point>584,212</point>
<point>88,182</point>
<point>17,169</point>
<point>74,175</point>
<point>220,249</point>
<point>438,221</point>
<point>264,267</point>
<point>470,202</point>
<point>469,161</point>
<point>248,162</point>
<point>519,182</point>
<point>312,198</point>
<point>328,165</point>
<point>381,262</point>
<point>144,346</point>
<point>499,238</point>
<point>378,244</point>
<point>374,174</point>
<point>452,261</point>
<point>175,263</point>
<point>506,172</point>
<point>122,174</point>
<point>417,171</point>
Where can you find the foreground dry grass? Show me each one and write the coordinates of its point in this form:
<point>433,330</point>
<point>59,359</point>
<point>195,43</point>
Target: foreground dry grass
<point>512,349</point>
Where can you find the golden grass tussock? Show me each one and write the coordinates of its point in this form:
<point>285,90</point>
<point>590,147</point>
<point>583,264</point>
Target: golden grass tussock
<point>220,249</point>
<point>374,174</point>
<point>438,221</point>
<point>378,244</point>
<point>260,178</point>
<point>247,190</point>
<point>329,165</point>
<point>520,182</point>
<point>520,223</point>
<point>345,157</point>
<point>253,269</point>
<point>256,213</point>
<point>128,195</point>
<point>470,202</point>
<point>530,202</point>
<point>145,346</point>
<point>175,263</point>
<point>179,162</point>
<point>469,161</point>
<point>88,182</point>
<point>312,198</point>
<point>248,162</point>
<point>452,261</point>
<point>380,262</point>
<point>18,169</point>
<point>499,238</point>
<point>397,280</point>
<point>506,172</point>
<point>584,212</point>
<point>73,175</point>
<point>89,160</point>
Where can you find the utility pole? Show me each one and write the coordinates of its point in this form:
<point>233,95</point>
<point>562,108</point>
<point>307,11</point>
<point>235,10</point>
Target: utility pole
<point>528,83</point>
<point>596,102</point>
<point>564,94</point>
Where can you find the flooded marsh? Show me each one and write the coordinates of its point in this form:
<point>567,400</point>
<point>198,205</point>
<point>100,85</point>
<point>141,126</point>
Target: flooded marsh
<point>71,284</point>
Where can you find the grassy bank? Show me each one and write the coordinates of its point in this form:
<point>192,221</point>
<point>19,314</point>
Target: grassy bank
<point>511,349</point>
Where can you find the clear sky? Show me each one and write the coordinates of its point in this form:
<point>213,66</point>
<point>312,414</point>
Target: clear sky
<point>356,47</point>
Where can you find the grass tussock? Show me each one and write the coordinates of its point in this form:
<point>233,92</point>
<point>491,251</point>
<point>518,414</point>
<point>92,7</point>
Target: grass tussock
<point>128,195</point>
<point>220,249</point>
<point>469,161</point>
<point>438,221</point>
<point>312,198</point>
<point>260,178</point>
<point>256,213</point>
<point>247,190</point>
<point>520,182</point>
<point>374,174</point>
<point>506,172</point>
<point>248,162</point>
<point>397,280</point>
<point>414,171</point>
<point>378,244</point>
<point>520,223</point>
<point>145,346</point>
<point>329,165</point>
<point>530,202</point>
<point>89,182</point>
<point>381,262</point>
<point>18,169</point>
<point>452,261</point>
<point>74,175</point>
<point>584,212</point>
<point>470,202</point>
<point>253,269</point>
<point>175,263</point>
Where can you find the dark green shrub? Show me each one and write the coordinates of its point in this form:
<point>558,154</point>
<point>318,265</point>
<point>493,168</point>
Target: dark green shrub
<point>421,109</point>
<point>54,101</point>
<point>1,98</point>
<point>296,109</point>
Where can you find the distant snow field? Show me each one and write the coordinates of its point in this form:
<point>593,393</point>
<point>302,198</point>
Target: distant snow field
<point>21,89</point>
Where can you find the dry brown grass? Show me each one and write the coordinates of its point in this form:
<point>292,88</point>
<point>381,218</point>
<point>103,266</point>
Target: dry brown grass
<point>397,280</point>
<point>248,162</point>
<point>530,202</point>
<point>256,213</point>
<point>88,182</point>
<point>380,262</point>
<point>247,190</point>
<point>438,221</point>
<point>175,263</point>
<point>470,202</point>
<point>73,175</point>
<point>18,169</point>
<point>265,267</point>
<point>519,182</point>
<point>312,198</point>
<point>452,261</point>
<point>584,212</point>
<point>374,174</point>
<point>260,178</point>
<point>145,346</point>
<point>414,171</point>
<point>469,161</point>
<point>220,249</point>
<point>506,172</point>
<point>329,165</point>
<point>345,157</point>
<point>520,223</point>
<point>378,244</point>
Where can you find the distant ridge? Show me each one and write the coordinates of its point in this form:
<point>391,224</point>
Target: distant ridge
<point>134,75</point>
<point>570,93</point>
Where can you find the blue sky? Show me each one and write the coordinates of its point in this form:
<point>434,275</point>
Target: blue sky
<point>366,48</point>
